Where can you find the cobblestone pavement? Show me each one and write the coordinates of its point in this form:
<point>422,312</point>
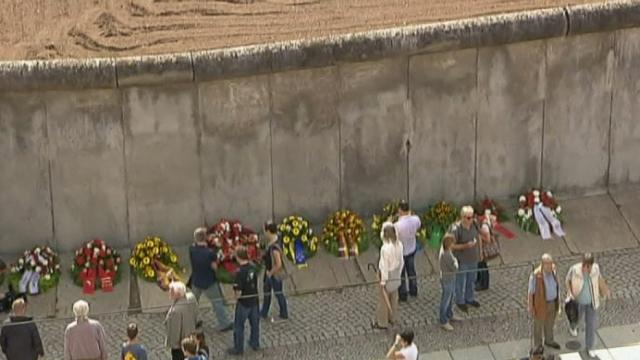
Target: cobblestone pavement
<point>337,324</point>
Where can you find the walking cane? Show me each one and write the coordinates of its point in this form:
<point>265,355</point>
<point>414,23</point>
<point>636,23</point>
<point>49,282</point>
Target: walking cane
<point>385,296</point>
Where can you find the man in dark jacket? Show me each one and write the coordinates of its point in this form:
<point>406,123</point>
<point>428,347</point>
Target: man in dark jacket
<point>19,337</point>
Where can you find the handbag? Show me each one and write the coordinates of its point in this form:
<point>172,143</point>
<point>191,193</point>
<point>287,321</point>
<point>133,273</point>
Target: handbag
<point>491,250</point>
<point>393,283</point>
<point>571,309</point>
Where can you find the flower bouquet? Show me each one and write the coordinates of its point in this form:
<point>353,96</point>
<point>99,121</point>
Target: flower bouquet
<point>154,260</point>
<point>36,271</point>
<point>299,242</point>
<point>343,234</point>
<point>223,238</point>
<point>95,260</point>
<point>493,207</point>
<point>3,270</point>
<point>539,208</point>
<point>435,222</point>
<point>389,211</point>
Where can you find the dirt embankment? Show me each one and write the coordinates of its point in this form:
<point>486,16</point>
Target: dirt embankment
<point>41,29</point>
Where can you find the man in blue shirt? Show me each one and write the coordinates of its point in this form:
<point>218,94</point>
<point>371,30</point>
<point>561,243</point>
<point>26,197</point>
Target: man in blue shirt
<point>544,303</point>
<point>203,277</point>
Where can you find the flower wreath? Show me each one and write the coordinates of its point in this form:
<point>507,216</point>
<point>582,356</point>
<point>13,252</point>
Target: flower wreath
<point>299,242</point>
<point>95,259</point>
<point>525,213</point>
<point>389,210</point>
<point>36,271</point>
<point>152,258</point>
<point>343,234</point>
<point>224,237</point>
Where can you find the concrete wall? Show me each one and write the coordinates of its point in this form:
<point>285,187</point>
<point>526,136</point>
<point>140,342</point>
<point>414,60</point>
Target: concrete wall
<point>165,156</point>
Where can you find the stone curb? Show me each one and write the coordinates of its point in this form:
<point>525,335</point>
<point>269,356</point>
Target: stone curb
<point>216,64</point>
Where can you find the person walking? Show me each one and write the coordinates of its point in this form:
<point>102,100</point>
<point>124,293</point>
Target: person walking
<point>84,338</point>
<point>448,270</point>
<point>403,348</point>
<point>274,271</point>
<point>180,320</point>
<point>390,267</point>
<point>247,306</point>
<point>467,252</point>
<point>544,303</point>
<point>132,349</point>
<point>19,337</point>
<point>407,226</point>
<point>587,287</point>
<point>203,277</point>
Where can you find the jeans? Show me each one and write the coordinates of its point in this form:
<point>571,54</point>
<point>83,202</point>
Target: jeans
<point>242,314</point>
<point>591,323</point>
<point>446,301</point>
<point>215,296</point>
<point>408,270</point>
<point>177,354</point>
<point>466,282</point>
<point>271,283</point>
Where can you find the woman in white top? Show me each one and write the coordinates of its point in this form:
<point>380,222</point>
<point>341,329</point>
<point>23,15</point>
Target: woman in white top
<point>390,266</point>
<point>404,348</point>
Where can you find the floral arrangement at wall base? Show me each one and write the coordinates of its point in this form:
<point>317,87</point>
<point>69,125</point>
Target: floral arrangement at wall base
<point>343,234</point>
<point>36,271</point>
<point>490,211</point>
<point>436,221</point>
<point>96,265</point>
<point>389,213</point>
<point>154,260</point>
<point>224,237</point>
<point>3,270</point>
<point>299,242</point>
<point>539,212</point>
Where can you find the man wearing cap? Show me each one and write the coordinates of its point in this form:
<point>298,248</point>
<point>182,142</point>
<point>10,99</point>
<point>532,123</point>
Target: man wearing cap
<point>407,226</point>
<point>544,303</point>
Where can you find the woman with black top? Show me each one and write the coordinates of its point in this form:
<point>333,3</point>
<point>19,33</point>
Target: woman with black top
<point>274,269</point>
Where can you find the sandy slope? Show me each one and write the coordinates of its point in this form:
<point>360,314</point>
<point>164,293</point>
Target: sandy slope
<point>37,29</point>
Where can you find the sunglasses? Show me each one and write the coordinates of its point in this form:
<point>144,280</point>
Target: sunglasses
<point>468,217</point>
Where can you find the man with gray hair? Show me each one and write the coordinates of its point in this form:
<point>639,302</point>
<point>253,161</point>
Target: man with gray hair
<point>19,337</point>
<point>180,321</point>
<point>203,277</point>
<point>544,303</point>
<point>467,251</point>
<point>84,338</point>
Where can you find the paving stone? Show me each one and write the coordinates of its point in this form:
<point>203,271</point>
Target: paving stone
<point>620,335</point>
<point>68,292</point>
<point>590,220</point>
<point>511,349</point>
<point>473,353</point>
<point>436,355</point>
<point>629,204</point>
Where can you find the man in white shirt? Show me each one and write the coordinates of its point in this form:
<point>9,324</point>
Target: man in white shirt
<point>407,226</point>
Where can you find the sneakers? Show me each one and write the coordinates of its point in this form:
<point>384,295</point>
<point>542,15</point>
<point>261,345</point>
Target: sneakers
<point>446,327</point>
<point>463,307</point>
<point>592,354</point>
<point>456,318</point>
<point>474,303</point>
<point>573,332</point>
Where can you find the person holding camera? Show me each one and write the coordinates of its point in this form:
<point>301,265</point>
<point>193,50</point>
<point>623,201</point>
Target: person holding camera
<point>403,348</point>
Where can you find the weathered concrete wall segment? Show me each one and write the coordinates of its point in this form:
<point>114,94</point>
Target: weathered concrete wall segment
<point>162,158</point>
